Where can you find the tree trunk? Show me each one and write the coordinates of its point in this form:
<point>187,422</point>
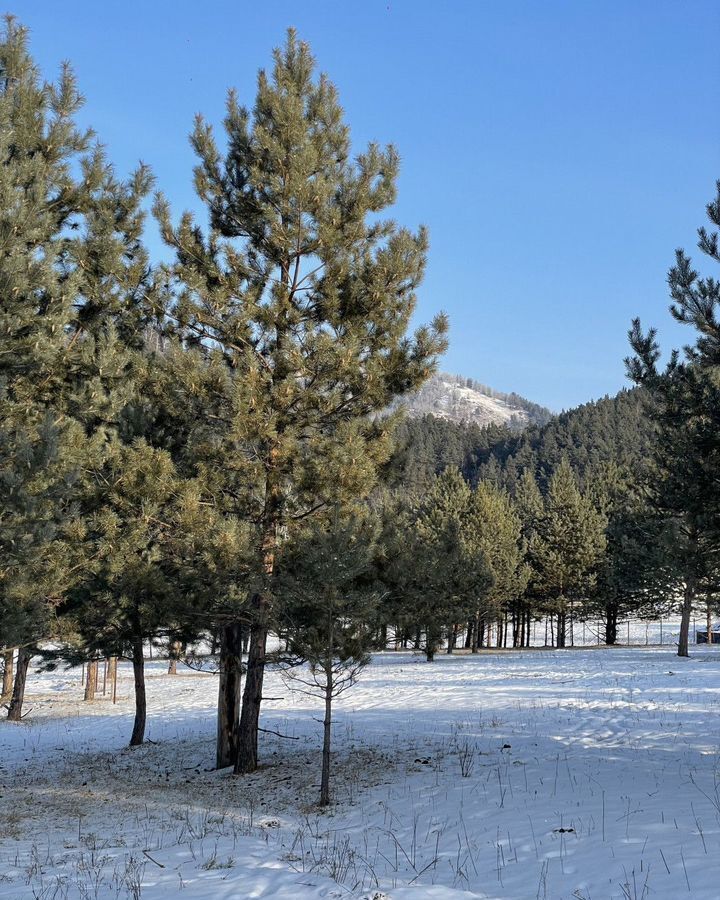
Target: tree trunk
<point>611,614</point>
<point>138,661</point>
<point>383,637</point>
<point>469,634</point>
<point>561,625</point>
<point>452,638</point>
<point>175,651</point>
<point>18,694</point>
<point>688,597</point>
<point>327,723</point>
<point>247,756</point>
<point>708,612</point>
<point>433,640</point>
<point>228,711</point>
<point>91,680</point>
<point>248,730</point>
<point>8,675</point>
<point>476,635</point>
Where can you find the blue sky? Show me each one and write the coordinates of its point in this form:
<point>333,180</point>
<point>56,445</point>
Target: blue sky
<point>558,150</point>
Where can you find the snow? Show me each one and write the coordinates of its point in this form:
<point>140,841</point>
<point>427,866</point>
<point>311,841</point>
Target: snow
<point>564,775</point>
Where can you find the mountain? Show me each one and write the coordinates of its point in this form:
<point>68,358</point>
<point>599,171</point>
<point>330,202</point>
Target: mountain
<point>469,402</point>
<point>613,431</point>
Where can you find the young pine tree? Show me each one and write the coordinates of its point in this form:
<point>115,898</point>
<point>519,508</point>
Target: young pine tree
<point>330,611</point>
<point>297,304</point>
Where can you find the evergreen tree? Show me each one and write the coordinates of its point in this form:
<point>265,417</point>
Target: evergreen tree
<point>567,547</point>
<point>438,568</point>
<point>684,404</point>
<point>297,303</point>
<point>75,284</point>
<point>633,577</point>
<point>496,530</point>
<point>41,201</point>
<point>329,613</point>
<point>52,184</point>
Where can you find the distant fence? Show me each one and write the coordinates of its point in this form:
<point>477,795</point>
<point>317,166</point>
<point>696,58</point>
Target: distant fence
<point>664,631</point>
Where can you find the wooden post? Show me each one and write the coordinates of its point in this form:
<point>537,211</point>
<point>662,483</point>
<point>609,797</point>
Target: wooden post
<point>114,670</point>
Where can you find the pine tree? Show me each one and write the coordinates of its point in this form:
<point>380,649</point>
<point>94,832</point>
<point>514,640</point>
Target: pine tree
<point>633,578</point>
<point>437,566</point>
<point>684,404</point>
<point>496,529</point>
<point>567,547</point>
<point>330,611</point>
<point>297,303</point>
<point>48,171</point>
<point>77,303</point>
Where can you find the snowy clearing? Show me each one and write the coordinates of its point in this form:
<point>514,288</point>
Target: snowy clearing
<point>578,774</point>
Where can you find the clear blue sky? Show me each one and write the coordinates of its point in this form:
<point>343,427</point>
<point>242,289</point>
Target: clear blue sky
<point>558,150</point>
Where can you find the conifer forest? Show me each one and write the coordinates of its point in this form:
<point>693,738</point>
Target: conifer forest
<point>284,611</point>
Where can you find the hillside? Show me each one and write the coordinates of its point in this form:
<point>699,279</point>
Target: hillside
<point>463,400</point>
<point>613,430</point>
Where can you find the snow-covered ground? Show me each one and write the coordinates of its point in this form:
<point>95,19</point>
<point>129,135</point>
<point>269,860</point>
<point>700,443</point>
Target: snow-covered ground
<point>571,775</point>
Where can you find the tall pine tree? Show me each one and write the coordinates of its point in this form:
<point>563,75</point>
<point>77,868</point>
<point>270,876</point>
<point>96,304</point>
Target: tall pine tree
<point>299,300</point>
<point>567,546</point>
<point>684,404</point>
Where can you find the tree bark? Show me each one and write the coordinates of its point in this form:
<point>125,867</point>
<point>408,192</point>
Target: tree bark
<point>138,661</point>
<point>383,637</point>
<point>8,674</point>
<point>688,597</point>
<point>18,694</point>
<point>611,614</point>
<point>327,728</point>
<point>175,651</point>
<point>91,680</point>
<point>561,625</point>
<point>433,640</point>
<point>247,756</point>
<point>228,711</point>
<point>469,634</point>
<point>476,635</point>
<point>708,613</point>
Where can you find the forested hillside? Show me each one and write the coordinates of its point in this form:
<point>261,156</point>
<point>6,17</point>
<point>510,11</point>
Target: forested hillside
<point>611,430</point>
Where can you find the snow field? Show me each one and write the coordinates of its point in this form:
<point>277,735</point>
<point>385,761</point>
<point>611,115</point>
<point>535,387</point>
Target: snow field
<point>560,775</point>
